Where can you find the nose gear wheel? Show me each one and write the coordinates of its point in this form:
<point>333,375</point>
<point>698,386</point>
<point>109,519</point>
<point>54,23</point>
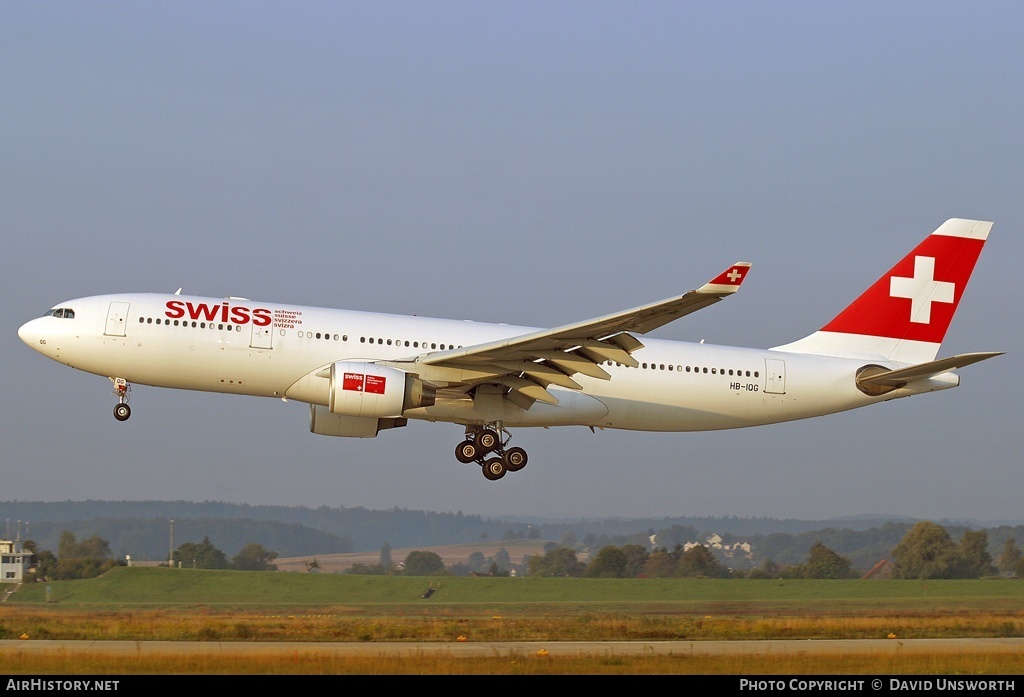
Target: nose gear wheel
<point>121,389</point>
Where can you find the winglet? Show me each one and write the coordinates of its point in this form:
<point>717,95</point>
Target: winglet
<point>728,281</point>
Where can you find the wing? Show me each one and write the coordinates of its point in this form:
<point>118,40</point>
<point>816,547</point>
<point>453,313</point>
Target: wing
<point>526,365</point>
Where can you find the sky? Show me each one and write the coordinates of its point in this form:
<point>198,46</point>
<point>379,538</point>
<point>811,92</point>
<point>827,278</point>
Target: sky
<point>535,163</point>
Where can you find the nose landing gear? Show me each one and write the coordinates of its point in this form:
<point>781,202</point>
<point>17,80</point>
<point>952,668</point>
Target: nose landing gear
<point>482,441</point>
<point>121,389</point>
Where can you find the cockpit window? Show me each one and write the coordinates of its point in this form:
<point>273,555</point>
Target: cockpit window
<point>64,312</point>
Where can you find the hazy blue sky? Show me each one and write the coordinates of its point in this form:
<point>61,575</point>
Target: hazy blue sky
<point>535,163</point>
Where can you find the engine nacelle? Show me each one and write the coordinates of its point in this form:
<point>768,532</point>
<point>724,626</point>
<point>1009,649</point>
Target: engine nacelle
<point>366,389</point>
<point>324,423</point>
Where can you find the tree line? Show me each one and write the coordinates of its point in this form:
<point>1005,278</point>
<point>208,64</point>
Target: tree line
<point>742,543</point>
<point>926,551</point>
<point>91,557</point>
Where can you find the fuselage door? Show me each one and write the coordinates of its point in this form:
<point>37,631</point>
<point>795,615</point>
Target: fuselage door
<point>117,317</point>
<point>774,376</point>
<point>262,337</point>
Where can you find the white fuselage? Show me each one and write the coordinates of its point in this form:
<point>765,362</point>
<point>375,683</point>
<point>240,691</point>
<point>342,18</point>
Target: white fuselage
<point>239,346</point>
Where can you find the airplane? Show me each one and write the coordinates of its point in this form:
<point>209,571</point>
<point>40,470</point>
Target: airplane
<point>364,372</point>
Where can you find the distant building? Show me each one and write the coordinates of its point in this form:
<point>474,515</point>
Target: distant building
<point>14,563</point>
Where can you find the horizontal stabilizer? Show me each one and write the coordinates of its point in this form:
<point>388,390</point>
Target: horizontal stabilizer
<point>898,378</point>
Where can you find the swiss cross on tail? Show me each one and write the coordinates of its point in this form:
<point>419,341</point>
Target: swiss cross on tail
<point>917,298</point>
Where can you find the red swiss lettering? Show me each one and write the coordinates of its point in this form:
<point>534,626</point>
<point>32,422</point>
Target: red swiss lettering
<point>175,309</point>
<point>261,317</point>
<point>237,314</point>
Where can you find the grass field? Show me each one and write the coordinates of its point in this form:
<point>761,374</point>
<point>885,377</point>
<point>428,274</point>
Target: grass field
<point>140,604</point>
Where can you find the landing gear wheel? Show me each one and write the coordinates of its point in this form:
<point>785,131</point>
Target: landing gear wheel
<point>515,459</point>
<point>122,412</point>
<point>494,469</point>
<point>487,440</point>
<point>466,452</point>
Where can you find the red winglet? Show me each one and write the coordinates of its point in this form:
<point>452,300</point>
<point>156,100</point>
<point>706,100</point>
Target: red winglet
<point>729,280</point>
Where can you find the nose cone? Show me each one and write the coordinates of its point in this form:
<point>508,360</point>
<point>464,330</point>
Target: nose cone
<point>29,333</point>
<point>38,334</point>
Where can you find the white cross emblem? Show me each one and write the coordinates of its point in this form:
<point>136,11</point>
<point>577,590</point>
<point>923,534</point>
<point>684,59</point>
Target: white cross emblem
<point>734,275</point>
<point>922,290</point>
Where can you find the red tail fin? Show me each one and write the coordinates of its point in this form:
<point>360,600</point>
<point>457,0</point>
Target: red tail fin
<point>905,314</point>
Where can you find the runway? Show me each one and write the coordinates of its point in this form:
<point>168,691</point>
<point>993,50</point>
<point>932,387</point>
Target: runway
<point>846,647</point>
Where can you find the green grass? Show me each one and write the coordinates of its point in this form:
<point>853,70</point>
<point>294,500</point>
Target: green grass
<point>167,587</point>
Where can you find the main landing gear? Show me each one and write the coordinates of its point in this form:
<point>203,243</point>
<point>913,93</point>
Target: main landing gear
<point>121,389</point>
<point>484,446</point>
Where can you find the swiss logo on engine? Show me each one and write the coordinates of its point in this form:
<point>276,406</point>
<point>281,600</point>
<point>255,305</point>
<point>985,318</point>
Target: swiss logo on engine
<point>353,382</point>
<point>358,382</point>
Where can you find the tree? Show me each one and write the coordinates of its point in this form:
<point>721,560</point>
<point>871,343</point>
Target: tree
<point>609,562</point>
<point>662,563</point>
<point>46,565</point>
<point>975,561</point>
<point>698,560</point>
<point>560,561</point>
<point>636,559</point>
<point>94,546</point>
<point>823,562</point>
<point>1010,557</point>
<point>201,555</point>
<point>926,551</point>
<point>254,557</point>
<point>495,570</point>
<point>360,569</point>
<point>476,561</point>
<point>769,569</point>
<point>86,559</point>
<point>458,569</point>
<point>422,563</point>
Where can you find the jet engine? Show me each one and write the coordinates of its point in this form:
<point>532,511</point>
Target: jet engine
<point>365,389</point>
